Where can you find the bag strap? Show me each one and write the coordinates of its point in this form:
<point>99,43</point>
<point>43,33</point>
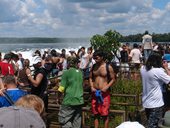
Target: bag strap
<point>92,71</point>
<point>10,101</point>
<point>108,72</point>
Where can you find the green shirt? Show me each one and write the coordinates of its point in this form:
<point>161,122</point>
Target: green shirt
<point>72,83</point>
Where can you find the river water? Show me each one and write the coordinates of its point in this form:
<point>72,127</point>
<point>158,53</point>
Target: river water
<point>27,44</point>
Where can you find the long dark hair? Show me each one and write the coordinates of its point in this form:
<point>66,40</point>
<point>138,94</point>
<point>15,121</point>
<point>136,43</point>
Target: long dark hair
<point>154,60</point>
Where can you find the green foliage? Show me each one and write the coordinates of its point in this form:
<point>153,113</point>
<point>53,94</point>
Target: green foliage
<point>113,38</point>
<point>127,86</point>
<point>161,37</point>
<point>108,43</point>
<point>132,38</point>
<point>99,42</point>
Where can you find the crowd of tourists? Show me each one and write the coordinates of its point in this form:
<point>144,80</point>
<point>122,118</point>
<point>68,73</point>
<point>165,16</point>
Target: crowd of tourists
<point>79,69</point>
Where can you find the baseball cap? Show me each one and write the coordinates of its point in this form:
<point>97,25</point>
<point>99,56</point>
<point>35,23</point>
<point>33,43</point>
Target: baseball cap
<point>20,117</point>
<point>166,57</point>
<point>36,59</point>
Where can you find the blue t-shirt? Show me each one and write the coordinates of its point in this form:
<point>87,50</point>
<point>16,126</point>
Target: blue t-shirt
<point>14,94</point>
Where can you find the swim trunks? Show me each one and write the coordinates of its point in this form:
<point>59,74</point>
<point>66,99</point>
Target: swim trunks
<point>101,108</point>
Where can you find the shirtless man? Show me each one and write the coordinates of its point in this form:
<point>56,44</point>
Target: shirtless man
<point>100,88</point>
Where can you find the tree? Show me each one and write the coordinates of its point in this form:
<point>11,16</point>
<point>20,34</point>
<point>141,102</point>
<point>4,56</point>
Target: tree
<point>109,43</point>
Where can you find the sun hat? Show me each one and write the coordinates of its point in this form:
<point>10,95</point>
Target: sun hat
<point>20,117</point>
<point>36,59</point>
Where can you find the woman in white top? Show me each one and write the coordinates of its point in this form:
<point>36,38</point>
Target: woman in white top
<point>153,78</point>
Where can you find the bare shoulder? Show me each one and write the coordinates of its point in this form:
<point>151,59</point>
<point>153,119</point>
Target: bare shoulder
<point>111,71</point>
<point>55,59</point>
<point>110,68</point>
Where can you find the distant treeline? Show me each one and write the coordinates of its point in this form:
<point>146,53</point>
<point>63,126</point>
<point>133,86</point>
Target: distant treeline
<point>130,38</point>
<point>39,40</point>
<point>155,37</point>
<point>29,40</point>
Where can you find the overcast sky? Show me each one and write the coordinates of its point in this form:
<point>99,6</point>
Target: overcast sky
<point>82,18</point>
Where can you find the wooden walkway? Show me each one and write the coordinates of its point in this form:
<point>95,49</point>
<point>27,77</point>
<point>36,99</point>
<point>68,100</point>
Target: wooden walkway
<point>116,116</point>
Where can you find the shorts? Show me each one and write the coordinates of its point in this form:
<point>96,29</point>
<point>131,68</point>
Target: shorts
<point>101,108</point>
<point>153,116</point>
<point>70,116</point>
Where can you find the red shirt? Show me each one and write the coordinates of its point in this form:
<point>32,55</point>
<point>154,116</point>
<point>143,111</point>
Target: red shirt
<point>6,68</point>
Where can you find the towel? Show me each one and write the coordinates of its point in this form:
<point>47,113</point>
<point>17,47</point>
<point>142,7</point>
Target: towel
<point>99,96</point>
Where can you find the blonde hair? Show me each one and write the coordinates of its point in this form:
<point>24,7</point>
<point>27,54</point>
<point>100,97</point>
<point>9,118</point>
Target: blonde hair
<point>31,101</point>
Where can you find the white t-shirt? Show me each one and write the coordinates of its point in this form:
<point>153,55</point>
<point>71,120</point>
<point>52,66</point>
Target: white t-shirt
<point>84,61</point>
<point>152,82</point>
<point>20,64</point>
<point>147,42</point>
<point>64,64</point>
<point>135,54</point>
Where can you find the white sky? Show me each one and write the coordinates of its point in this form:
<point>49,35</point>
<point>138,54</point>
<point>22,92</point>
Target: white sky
<point>82,18</point>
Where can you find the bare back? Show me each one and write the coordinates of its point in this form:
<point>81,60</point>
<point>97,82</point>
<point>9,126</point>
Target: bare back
<point>55,60</point>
